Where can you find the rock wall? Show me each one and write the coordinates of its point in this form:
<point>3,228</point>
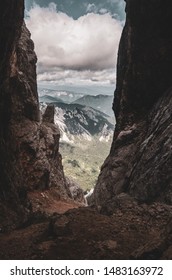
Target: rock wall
<point>29,156</point>
<point>140,160</point>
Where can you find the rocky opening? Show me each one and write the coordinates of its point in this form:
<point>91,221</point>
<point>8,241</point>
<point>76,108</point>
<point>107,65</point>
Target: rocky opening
<point>133,193</point>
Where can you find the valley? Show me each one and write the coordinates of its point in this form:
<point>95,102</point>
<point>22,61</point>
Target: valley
<point>83,159</point>
<point>86,133</point>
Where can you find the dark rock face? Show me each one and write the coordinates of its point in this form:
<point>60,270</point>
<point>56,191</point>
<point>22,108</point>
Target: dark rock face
<point>140,161</point>
<point>151,178</point>
<point>144,60</point>
<point>48,115</point>
<point>29,154</point>
<point>11,19</point>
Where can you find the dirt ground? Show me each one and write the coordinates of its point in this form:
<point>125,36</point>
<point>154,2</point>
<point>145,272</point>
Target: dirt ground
<point>132,232</point>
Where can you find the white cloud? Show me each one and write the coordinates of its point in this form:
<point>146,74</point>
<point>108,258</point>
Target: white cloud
<point>78,77</point>
<point>91,8</point>
<point>64,45</point>
<point>103,11</point>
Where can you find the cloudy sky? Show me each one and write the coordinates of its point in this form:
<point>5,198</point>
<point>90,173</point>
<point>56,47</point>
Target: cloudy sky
<point>76,41</point>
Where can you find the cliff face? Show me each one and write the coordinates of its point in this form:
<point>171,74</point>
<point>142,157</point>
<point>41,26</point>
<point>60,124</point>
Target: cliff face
<point>28,147</point>
<point>140,160</point>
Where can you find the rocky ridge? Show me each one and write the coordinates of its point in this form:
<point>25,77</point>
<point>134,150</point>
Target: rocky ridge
<point>29,148</point>
<point>79,122</point>
<point>140,161</point>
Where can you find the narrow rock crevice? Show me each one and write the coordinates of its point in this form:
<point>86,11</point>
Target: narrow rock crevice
<point>134,188</point>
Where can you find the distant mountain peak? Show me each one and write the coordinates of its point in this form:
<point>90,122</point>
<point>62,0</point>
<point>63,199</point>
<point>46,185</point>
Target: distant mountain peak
<point>100,102</point>
<point>76,120</point>
<point>49,99</point>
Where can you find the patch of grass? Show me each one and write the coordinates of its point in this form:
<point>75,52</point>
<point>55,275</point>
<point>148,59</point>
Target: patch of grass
<point>82,160</point>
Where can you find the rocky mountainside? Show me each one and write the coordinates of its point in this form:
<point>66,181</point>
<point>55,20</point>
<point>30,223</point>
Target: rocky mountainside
<point>84,132</point>
<point>30,160</point>
<point>140,162</point>
<point>77,121</point>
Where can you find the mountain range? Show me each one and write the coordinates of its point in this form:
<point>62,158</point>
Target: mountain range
<point>49,99</point>
<point>67,96</point>
<point>79,114</point>
<point>100,102</point>
<point>85,131</point>
<point>75,120</point>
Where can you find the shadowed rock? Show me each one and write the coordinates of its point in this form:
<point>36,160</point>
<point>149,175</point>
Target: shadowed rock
<point>48,115</point>
<point>29,148</point>
<point>140,160</point>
